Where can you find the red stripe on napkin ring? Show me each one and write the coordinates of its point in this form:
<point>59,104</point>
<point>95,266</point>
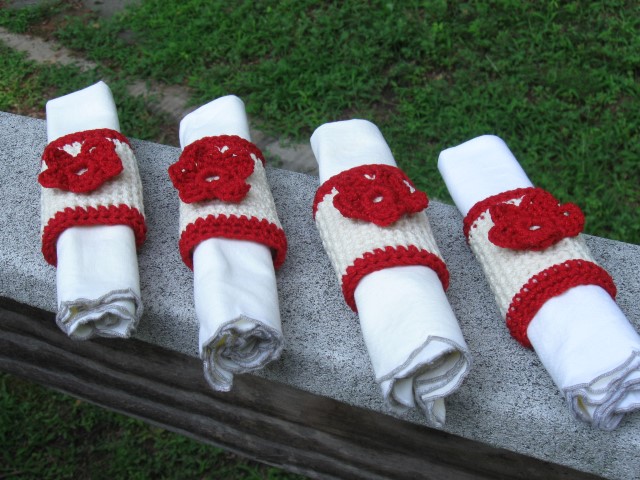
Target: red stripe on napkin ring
<point>91,216</point>
<point>233,227</point>
<point>550,283</point>
<point>376,193</point>
<point>387,257</point>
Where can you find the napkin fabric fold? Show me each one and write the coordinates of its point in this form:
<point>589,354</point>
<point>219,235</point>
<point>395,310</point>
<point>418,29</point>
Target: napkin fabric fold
<point>92,222</point>
<point>233,247</point>
<point>580,334</point>
<point>390,268</point>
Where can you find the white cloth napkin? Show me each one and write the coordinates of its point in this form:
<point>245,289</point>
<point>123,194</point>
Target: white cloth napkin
<point>97,274</point>
<point>413,338</point>
<point>235,291</point>
<point>582,337</point>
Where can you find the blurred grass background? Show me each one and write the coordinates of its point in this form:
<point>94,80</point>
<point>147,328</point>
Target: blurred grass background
<point>48,435</point>
<point>557,80</point>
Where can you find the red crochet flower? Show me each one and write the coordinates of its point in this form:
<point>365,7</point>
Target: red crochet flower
<point>538,222</point>
<point>380,194</point>
<point>214,168</point>
<point>95,163</point>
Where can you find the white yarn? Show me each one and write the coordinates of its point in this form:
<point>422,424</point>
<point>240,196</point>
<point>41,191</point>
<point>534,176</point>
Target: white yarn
<point>125,188</point>
<point>346,239</point>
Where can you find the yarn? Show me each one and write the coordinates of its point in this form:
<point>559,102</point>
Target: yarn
<point>376,193</point>
<point>482,206</point>
<point>237,205</point>
<point>550,283</point>
<point>82,217</point>
<point>386,257</point>
<point>356,243</point>
<point>116,201</point>
<point>527,266</point>
<point>233,227</point>
<point>87,162</point>
<point>536,223</point>
<point>215,168</point>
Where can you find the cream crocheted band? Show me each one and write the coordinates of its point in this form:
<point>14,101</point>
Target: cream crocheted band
<point>530,250</point>
<point>370,218</point>
<point>224,192</point>
<point>89,178</point>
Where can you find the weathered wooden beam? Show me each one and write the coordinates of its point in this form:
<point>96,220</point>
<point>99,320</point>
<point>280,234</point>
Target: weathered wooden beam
<point>260,418</point>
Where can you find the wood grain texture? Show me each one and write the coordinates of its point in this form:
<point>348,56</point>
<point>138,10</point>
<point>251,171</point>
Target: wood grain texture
<point>261,419</point>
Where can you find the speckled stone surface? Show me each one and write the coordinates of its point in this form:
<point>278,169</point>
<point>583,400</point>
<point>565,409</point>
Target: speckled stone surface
<point>508,400</point>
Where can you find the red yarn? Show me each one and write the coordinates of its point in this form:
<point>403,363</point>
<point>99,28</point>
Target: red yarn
<point>376,193</point>
<point>536,223</point>
<point>550,283</point>
<point>79,137</point>
<point>234,227</point>
<point>79,217</point>
<point>380,259</point>
<point>96,163</point>
<point>204,172</point>
<point>483,205</point>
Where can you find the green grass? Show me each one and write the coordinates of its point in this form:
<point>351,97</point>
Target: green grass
<point>21,20</point>
<point>47,435</point>
<point>558,81</point>
<point>26,86</point>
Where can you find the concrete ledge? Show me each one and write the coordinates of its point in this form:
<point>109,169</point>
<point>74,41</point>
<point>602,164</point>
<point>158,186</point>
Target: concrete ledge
<point>507,402</point>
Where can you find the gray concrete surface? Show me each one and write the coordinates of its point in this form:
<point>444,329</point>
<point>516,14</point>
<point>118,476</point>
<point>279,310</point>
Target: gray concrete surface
<point>507,401</point>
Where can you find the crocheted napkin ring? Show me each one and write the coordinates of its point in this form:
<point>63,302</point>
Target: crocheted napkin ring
<point>223,191</point>
<point>370,218</point>
<point>89,178</point>
<point>530,250</point>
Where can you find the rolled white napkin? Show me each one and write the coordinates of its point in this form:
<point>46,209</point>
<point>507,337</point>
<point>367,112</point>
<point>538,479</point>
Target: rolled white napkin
<point>235,290</point>
<point>581,336</point>
<point>97,273</point>
<point>417,350</point>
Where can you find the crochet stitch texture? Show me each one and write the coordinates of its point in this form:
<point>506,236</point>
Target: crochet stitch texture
<point>357,247</point>
<point>523,279</point>
<point>252,218</point>
<point>117,201</point>
<point>233,227</point>
<point>386,257</point>
<point>376,193</point>
<point>215,168</point>
<point>86,165</point>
